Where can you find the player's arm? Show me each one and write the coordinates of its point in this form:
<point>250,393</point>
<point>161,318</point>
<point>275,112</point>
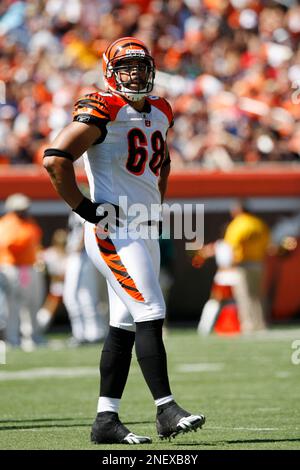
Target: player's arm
<point>68,146</point>
<point>90,117</point>
<point>166,165</point>
<point>164,174</point>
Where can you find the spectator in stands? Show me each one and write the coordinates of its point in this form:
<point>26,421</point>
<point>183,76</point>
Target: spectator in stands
<point>20,242</point>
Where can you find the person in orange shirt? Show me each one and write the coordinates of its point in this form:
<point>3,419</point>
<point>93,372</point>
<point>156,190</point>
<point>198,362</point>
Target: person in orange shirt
<point>20,239</point>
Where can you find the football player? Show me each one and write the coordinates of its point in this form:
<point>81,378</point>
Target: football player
<point>124,132</point>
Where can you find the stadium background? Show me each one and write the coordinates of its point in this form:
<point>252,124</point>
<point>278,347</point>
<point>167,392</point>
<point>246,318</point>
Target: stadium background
<point>229,69</point>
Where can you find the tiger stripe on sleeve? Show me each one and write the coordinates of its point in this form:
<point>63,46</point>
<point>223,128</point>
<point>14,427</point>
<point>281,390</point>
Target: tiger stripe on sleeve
<point>92,109</point>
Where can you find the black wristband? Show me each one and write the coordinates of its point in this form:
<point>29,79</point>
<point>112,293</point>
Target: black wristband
<point>58,153</point>
<point>88,211</point>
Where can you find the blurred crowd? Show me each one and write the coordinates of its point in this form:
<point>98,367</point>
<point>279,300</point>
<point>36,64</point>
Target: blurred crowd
<point>230,69</point>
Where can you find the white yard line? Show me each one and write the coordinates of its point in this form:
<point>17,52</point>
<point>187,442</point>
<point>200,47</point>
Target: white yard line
<point>201,367</point>
<point>241,428</point>
<point>255,429</point>
<point>283,374</point>
<point>70,372</point>
<point>49,372</point>
<point>276,334</point>
<point>267,410</point>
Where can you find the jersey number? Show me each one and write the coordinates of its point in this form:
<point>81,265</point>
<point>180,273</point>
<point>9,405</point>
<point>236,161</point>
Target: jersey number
<point>138,153</point>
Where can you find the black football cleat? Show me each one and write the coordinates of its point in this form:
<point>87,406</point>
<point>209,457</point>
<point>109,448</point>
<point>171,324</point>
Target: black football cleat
<point>172,420</point>
<point>108,429</point>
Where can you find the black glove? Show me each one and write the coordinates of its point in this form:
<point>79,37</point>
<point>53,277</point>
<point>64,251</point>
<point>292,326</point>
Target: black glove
<point>88,211</point>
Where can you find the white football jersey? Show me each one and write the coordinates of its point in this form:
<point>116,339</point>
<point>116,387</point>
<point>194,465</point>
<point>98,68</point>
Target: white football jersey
<point>127,159</point>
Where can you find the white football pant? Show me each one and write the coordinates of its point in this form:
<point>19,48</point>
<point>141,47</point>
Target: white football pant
<point>131,268</point>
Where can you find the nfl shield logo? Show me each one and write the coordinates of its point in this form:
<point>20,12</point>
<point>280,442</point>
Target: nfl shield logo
<point>147,123</point>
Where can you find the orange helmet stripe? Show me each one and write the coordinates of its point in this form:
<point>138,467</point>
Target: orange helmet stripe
<point>120,44</point>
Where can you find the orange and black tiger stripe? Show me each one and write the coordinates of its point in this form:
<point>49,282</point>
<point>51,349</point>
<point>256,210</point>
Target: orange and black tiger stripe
<point>118,49</point>
<point>92,105</point>
<point>113,261</point>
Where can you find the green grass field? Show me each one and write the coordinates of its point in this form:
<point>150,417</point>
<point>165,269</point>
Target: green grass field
<point>248,389</point>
